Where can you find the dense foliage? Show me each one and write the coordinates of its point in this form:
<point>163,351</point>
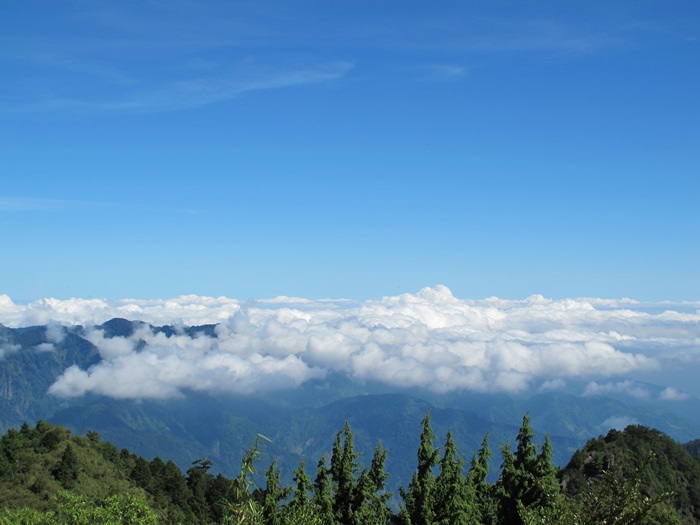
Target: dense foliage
<point>48,475</point>
<point>658,463</point>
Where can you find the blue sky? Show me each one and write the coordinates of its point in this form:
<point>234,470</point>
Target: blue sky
<point>358,149</point>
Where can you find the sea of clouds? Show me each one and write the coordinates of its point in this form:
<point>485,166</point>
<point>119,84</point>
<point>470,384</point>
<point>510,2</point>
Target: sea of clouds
<point>430,340</point>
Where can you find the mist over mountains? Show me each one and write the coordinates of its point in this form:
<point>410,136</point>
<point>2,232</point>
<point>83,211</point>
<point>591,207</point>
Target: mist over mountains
<point>430,340</point>
<point>200,377</point>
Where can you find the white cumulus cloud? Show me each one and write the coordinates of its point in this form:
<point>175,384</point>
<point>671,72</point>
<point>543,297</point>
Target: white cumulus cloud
<point>430,339</point>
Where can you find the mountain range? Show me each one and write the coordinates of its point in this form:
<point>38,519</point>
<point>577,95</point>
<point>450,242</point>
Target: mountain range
<point>301,422</point>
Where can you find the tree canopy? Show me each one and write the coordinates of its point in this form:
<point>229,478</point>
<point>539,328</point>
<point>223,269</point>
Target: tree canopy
<point>637,476</point>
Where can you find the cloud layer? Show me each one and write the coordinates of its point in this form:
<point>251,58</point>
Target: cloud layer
<point>429,340</point>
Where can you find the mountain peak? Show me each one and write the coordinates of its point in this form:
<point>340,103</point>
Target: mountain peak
<point>118,327</point>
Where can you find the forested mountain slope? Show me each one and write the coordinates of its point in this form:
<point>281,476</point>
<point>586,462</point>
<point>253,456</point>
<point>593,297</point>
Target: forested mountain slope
<point>50,476</point>
<point>662,465</point>
<point>301,422</point>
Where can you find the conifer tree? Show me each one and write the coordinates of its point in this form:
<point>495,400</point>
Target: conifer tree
<point>344,467</point>
<point>217,493</point>
<point>323,492</point>
<point>371,495</point>
<point>302,509</point>
<point>67,470</point>
<point>168,482</point>
<point>26,431</point>
<point>272,495</point>
<point>509,488</point>
<point>198,481</point>
<point>300,495</point>
<point>13,445</point>
<point>485,505</point>
<point>419,498</point>
<point>454,497</point>
<point>548,490</point>
<point>527,479</point>
<point>141,473</point>
<point>50,439</point>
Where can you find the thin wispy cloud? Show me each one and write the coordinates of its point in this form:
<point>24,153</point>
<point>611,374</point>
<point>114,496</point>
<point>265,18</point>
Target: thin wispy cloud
<point>78,65</point>
<point>150,57</point>
<point>191,93</point>
<point>31,204</point>
<point>469,33</point>
<point>532,35</point>
<point>41,205</point>
<point>441,72</point>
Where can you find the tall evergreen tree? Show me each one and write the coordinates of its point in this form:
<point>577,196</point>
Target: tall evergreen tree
<point>485,505</point>
<point>371,495</point>
<point>527,479</point>
<point>419,498</point>
<point>300,494</point>
<point>217,494</point>
<point>323,492</point>
<point>272,496</point>
<point>548,490</point>
<point>344,467</point>
<point>454,497</point>
<point>67,470</point>
<point>198,481</point>
<point>141,473</point>
<point>168,483</point>
<point>302,509</point>
<point>509,488</point>
<point>14,447</point>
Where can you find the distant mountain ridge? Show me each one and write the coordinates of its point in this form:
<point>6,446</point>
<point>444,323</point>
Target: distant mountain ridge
<point>301,422</point>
